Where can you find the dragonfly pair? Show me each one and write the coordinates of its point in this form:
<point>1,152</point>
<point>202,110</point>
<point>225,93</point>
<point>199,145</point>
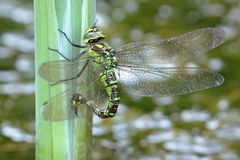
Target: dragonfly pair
<point>148,68</point>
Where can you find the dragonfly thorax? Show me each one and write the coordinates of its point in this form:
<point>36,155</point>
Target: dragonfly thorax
<point>103,55</point>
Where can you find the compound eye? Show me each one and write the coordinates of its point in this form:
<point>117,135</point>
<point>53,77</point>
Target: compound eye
<point>90,35</point>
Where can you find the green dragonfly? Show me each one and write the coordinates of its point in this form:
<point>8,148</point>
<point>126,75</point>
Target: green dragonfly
<point>147,68</point>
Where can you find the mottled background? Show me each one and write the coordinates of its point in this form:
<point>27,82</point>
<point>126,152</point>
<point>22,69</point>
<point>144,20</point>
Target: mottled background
<point>200,126</point>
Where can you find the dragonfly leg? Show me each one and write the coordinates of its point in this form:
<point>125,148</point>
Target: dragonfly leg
<point>55,50</point>
<point>68,39</point>
<point>71,78</point>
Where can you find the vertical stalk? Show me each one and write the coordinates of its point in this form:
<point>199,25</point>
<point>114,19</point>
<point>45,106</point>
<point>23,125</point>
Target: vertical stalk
<point>63,140</point>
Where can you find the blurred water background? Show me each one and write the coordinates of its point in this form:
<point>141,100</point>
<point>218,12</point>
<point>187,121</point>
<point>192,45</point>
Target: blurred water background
<point>200,126</point>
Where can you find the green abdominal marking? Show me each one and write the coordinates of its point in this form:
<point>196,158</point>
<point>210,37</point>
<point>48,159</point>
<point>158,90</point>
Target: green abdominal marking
<point>108,79</point>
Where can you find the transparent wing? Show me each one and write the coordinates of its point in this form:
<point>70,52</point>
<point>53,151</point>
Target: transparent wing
<point>59,107</point>
<point>55,71</point>
<point>166,81</point>
<point>177,50</point>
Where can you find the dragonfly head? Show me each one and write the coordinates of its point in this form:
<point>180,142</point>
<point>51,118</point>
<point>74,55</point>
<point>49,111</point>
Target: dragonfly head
<point>93,35</point>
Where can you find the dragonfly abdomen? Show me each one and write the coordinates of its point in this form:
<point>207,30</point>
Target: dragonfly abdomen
<point>108,79</point>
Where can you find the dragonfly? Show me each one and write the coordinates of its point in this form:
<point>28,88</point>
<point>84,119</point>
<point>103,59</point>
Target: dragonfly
<point>150,68</point>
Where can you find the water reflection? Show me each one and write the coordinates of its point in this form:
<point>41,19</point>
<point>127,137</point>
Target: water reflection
<point>194,115</point>
<point>16,80</point>
<point>230,128</point>
<point>9,76</point>
<point>16,134</point>
<point>14,10</point>
<point>185,143</point>
<point>17,88</point>
<point>18,41</point>
<point>159,137</point>
<point>6,52</point>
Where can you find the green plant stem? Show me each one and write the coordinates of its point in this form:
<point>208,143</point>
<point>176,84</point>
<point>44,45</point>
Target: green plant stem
<point>63,140</point>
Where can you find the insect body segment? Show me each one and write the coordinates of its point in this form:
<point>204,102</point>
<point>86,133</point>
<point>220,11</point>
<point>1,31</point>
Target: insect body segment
<point>104,56</point>
<point>108,79</point>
